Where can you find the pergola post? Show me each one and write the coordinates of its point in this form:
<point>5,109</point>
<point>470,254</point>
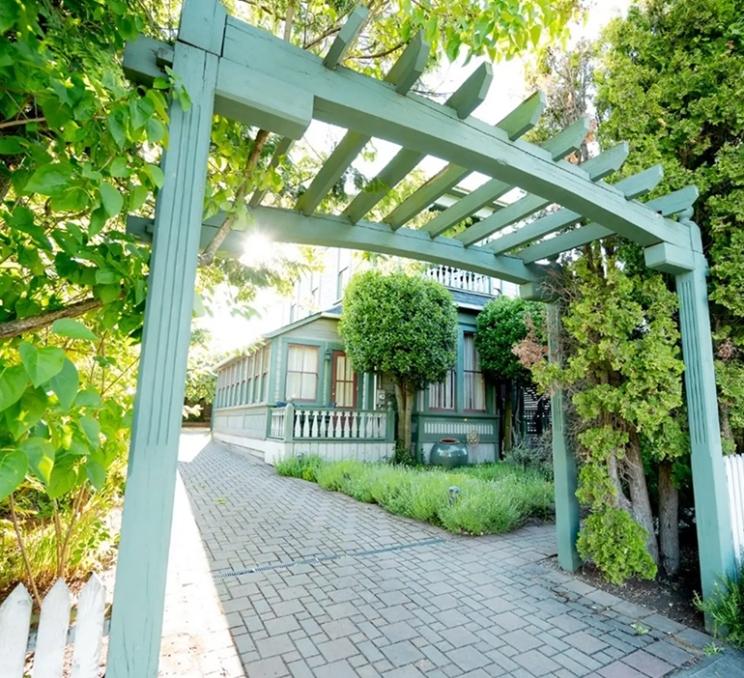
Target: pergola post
<point>148,508</point>
<point>712,517</point>
<point>565,471</point>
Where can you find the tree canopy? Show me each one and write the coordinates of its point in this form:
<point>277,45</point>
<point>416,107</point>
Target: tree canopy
<point>402,325</point>
<point>502,324</point>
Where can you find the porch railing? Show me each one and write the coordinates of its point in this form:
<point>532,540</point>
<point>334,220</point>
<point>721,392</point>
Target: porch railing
<point>313,423</point>
<point>457,279</point>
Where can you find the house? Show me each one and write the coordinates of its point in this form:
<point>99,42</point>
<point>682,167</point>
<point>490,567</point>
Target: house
<point>294,391</point>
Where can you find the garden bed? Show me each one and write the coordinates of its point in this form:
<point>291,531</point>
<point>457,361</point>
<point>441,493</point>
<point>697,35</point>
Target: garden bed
<point>483,499</point>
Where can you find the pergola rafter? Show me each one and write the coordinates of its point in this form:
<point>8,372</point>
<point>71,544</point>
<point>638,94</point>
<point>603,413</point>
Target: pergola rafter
<point>248,75</point>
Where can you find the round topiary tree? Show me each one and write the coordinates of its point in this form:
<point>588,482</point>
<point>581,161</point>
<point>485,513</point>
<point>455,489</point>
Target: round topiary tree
<point>500,327</point>
<point>402,325</point>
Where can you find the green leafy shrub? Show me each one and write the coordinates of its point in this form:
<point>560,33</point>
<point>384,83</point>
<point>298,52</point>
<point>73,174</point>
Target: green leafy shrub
<point>301,466</point>
<point>617,545</point>
<point>727,610</point>
<point>491,498</point>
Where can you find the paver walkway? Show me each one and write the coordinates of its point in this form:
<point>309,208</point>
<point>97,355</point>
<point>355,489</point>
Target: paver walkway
<point>316,584</point>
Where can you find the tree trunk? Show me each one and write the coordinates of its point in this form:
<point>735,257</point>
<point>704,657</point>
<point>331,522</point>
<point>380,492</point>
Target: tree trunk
<point>508,416</point>
<point>639,495</point>
<point>668,520</point>
<point>404,396</point>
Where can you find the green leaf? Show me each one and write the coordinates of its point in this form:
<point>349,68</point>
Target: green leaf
<point>13,467</point>
<point>96,472</point>
<point>64,477</point>
<point>119,167</point>
<point>41,363</point>
<point>65,384</point>
<point>74,329</point>
<point>40,455</point>
<point>49,179</point>
<point>13,382</point>
<point>156,174</point>
<point>92,430</point>
<point>137,197</point>
<point>112,200</point>
<point>88,398</point>
<point>155,130</point>
<point>11,145</point>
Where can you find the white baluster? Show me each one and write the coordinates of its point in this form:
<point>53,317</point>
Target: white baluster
<point>297,424</point>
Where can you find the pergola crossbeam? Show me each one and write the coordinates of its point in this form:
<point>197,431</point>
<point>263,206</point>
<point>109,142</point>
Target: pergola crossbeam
<point>464,101</point>
<point>559,146</point>
<point>516,123</point>
<point>632,187</point>
<point>335,231</point>
<point>667,205</point>
<point>346,37</point>
<point>402,76</point>
<point>596,168</point>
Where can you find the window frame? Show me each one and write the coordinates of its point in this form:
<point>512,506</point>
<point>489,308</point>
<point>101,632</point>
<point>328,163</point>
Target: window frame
<point>287,372</point>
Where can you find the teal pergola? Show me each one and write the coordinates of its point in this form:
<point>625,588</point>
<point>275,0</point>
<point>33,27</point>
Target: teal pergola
<point>236,70</point>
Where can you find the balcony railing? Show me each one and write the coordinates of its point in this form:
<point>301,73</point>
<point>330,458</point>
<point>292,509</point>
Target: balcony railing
<point>457,279</point>
<point>309,423</point>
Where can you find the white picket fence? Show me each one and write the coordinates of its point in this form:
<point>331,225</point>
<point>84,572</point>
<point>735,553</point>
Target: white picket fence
<point>734,464</point>
<point>51,638</point>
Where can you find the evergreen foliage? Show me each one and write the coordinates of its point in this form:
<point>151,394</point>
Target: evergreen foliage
<point>669,81</point>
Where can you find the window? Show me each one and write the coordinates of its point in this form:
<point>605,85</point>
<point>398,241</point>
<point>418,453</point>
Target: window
<point>442,395</point>
<point>256,393</point>
<point>302,372</point>
<point>475,386</point>
<point>265,374</point>
<point>343,393</point>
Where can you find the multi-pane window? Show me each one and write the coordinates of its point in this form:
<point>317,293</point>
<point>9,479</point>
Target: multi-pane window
<point>265,374</point>
<point>475,386</point>
<point>257,370</point>
<point>302,372</point>
<point>442,395</point>
<point>344,381</point>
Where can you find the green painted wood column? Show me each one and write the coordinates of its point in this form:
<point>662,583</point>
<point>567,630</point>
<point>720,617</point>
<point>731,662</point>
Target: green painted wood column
<point>148,507</point>
<point>564,462</point>
<point>712,516</point>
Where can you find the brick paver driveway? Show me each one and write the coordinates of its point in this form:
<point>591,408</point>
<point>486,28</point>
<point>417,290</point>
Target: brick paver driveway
<point>316,584</point>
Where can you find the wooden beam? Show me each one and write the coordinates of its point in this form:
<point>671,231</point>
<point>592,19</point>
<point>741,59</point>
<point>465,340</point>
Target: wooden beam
<point>346,37</point>
<point>520,120</point>
<point>472,93</point>
<point>666,205</point>
<point>596,168</point>
<point>524,116</point>
<point>561,145</point>
<point>632,187</point>
<point>137,614</point>
<point>334,231</point>
<point>282,148</point>
<point>712,510</point>
<point>464,101</point>
<point>402,76</point>
<point>359,103</point>
<point>202,25</point>
<point>410,65</point>
<point>286,112</point>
